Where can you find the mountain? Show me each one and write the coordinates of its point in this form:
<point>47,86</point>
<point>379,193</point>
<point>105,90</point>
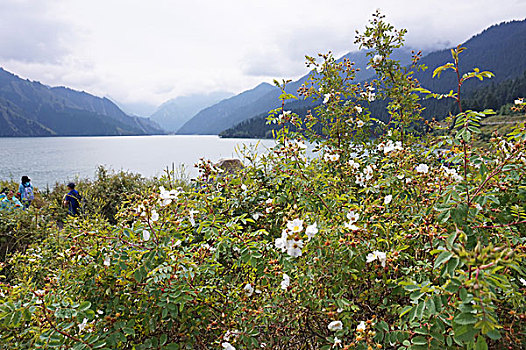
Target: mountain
<point>29,108</point>
<point>172,114</point>
<point>221,116</point>
<point>212,120</point>
<point>499,49</point>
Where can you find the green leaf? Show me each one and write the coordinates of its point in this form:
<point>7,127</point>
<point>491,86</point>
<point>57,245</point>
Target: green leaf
<point>481,343</point>
<point>419,340</point>
<point>84,306</point>
<point>465,318</point>
<point>442,258</point>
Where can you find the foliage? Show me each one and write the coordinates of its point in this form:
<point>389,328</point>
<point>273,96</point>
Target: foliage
<point>398,241</point>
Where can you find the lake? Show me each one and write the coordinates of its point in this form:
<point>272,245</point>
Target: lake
<point>47,160</point>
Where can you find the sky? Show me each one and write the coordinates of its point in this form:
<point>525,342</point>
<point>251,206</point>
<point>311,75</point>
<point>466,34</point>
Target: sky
<point>142,53</point>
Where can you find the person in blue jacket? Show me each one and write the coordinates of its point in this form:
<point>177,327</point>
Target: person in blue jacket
<point>26,192</point>
<point>72,200</point>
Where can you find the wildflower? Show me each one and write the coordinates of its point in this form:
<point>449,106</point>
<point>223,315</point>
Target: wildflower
<point>295,225</point>
<point>285,283</point>
<point>335,326</point>
<point>519,101</point>
<point>228,334</point>
<point>422,168</point>
<point>154,216</point>
<point>107,260</point>
<point>478,207</point>
<point>377,59</point>
<point>452,173</point>
<point>523,281</point>
<point>331,157</point>
<point>391,146</point>
<point>358,109</point>
<point>337,342</point>
<point>269,201</point>
<point>381,256</point>
<point>359,123</point>
<point>256,216</point>
<point>388,199</point>
<point>244,187</point>
<point>354,164</point>
<point>353,217</point>
<point>294,247</point>
<point>249,290</point>
<point>145,235</point>
<point>301,145</point>
<point>281,243</point>
<point>83,325</point>
<point>311,231</point>
<point>326,98</point>
<point>191,216</point>
<point>167,196</point>
<point>361,327</point>
<point>227,346</point>
<point>369,94</point>
<point>350,226</point>
<point>339,310</point>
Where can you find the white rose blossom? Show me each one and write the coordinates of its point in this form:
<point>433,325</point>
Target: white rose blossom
<point>311,231</point>
<point>285,283</point>
<point>361,327</point>
<point>422,168</point>
<point>145,235</point>
<point>335,326</point>
<point>227,346</point>
<point>248,289</point>
<point>388,199</point>
<point>377,255</point>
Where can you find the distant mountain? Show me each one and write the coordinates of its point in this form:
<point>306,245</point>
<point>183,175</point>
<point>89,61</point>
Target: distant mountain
<point>172,114</point>
<point>212,120</point>
<point>500,49</point>
<point>30,108</point>
<point>223,116</point>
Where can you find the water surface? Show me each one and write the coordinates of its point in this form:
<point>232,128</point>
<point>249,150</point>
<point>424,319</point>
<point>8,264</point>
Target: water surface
<point>47,160</point>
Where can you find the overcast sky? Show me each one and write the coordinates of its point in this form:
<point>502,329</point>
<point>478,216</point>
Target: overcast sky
<point>149,51</point>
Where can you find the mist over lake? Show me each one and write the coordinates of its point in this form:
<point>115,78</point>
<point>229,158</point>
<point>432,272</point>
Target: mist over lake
<point>47,160</point>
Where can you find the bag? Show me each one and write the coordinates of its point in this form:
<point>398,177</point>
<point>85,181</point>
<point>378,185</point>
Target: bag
<point>28,193</point>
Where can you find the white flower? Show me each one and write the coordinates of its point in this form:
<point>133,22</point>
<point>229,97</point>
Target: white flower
<point>358,109</point>
<point>311,231</point>
<point>337,342</point>
<point>256,216</point>
<point>295,225</point>
<point>227,346</point>
<point>359,123</point>
<point>452,173</point>
<point>326,98</point>
<point>145,235</point>
<point>249,290</point>
<point>281,243</point>
<point>285,283</point>
<point>167,196</point>
<point>523,281</point>
<point>107,260</point>
<point>388,199</point>
<point>352,227</point>
<point>331,157</point>
<point>381,256</point>
<point>154,216</point>
<point>519,101</point>
<point>301,145</point>
<point>377,59</point>
<point>335,326</point>
<point>339,310</point>
<point>478,207</point>
<point>244,187</point>
<point>191,217</point>
<point>269,201</point>
<point>294,247</point>
<point>390,146</point>
<point>83,325</point>
<point>422,168</point>
<point>353,217</point>
<point>361,327</point>
<point>353,164</point>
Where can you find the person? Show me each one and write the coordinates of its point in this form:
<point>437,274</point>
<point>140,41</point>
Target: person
<point>26,191</point>
<point>4,201</point>
<point>72,200</point>
<point>8,200</point>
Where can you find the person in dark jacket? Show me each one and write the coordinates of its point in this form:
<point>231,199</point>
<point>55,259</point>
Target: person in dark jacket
<point>72,200</point>
<point>26,192</point>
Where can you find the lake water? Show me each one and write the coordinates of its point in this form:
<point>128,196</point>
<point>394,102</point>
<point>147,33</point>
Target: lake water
<point>47,160</point>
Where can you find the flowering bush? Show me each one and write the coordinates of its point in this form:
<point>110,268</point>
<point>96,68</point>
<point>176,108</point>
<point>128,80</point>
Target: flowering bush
<point>387,239</point>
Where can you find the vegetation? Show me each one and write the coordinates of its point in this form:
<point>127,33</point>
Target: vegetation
<point>405,240</point>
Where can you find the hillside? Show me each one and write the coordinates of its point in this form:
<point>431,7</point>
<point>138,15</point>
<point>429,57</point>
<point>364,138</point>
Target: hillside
<point>172,114</point>
<point>499,49</point>
<point>30,108</point>
<point>223,116</point>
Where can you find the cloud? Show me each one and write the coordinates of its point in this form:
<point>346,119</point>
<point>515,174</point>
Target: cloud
<point>29,32</point>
